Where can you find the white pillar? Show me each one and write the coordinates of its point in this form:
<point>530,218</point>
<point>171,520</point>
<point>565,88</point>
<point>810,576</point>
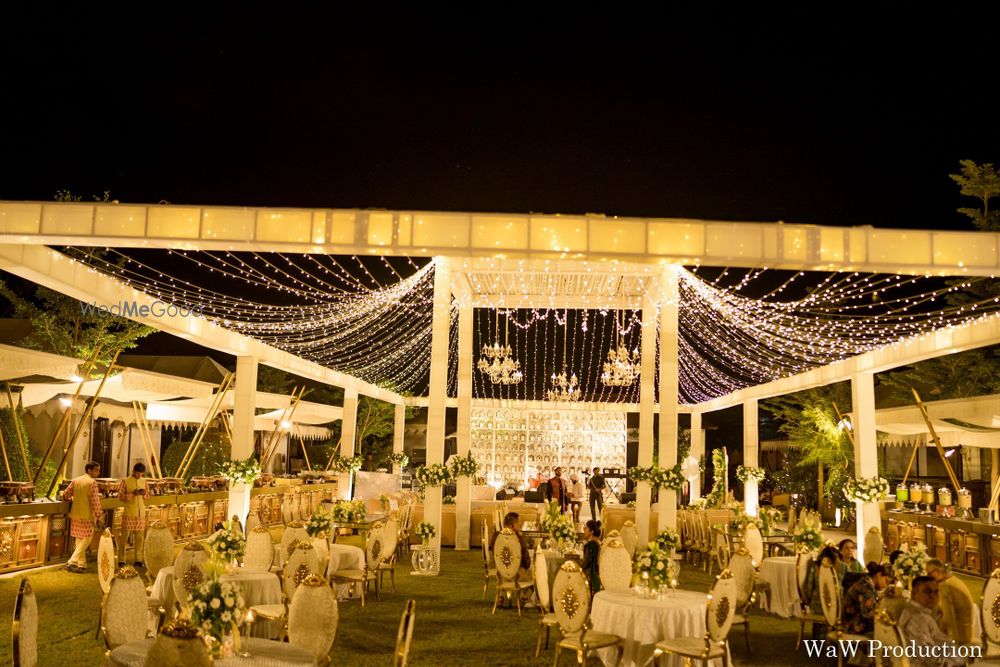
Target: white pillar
<point>697,451</point>
<point>750,446</point>
<point>244,406</point>
<point>348,433</point>
<point>647,400</point>
<point>865,448</point>
<point>438,388</point>
<point>669,369</point>
<point>398,430</point>
<point>463,494</point>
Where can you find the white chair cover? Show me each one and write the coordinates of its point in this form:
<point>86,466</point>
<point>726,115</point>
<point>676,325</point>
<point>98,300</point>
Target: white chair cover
<point>158,550</point>
<point>296,530</point>
<point>829,594</point>
<point>106,560</point>
<point>301,563</point>
<point>615,566</point>
<point>253,520</point>
<point>742,567</point>
<point>792,519</point>
<point>25,628</point>
<point>721,608</point>
<point>507,555</point>
<point>260,550</point>
<point>802,564</point>
<point>375,547</point>
<point>313,617</point>
<point>125,612</point>
<point>322,546</point>
<point>188,574</point>
<point>873,546</point>
<point>630,537</point>
<point>754,542</point>
<point>571,598</point>
<point>991,591</point>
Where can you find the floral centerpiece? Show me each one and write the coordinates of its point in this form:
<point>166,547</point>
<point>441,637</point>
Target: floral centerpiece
<point>217,608</point>
<point>667,540</point>
<point>551,515</point>
<point>867,489</point>
<point>320,522</point>
<point>771,517</point>
<point>563,531</point>
<point>344,464</point>
<point>240,472</point>
<point>227,545</point>
<point>808,535</point>
<point>436,474</point>
<point>910,565</point>
<point>400,459</point>
<point>463,466</point>
<point>656,567</point>
<point>349,510</point>
<point>426,531</point>
<point>744,473</point>
<point>448,500</point>
<point>741,520</point>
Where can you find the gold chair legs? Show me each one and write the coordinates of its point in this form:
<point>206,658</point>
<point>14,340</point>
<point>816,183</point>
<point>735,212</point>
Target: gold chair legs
<point>542,629</point>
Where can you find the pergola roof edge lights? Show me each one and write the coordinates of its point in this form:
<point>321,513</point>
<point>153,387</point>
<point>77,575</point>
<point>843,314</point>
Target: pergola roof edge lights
<point>555,263</point>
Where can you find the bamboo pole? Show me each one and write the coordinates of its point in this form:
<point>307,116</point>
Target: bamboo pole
<point>936,439</point>
<point>17,430</point>
<point>203,427</point>
<point>336,450</point>
<point>66,416</point>
<point>305,454</point>
<point>147,447</point>
<point>286,416</point>
<point>81,425</point>
<point>913,457</point>
<point>147,433</point>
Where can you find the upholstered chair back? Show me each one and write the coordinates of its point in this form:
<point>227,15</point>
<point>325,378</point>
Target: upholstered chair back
<point>260,550</point>
<point>106,560</point>
<point>542,582</point>
<point>829,594</point>
<point>313,616</point>
<point>188,574</point>
<point>294,532</point>
<point>158,550</point>
<point>302,562</point>
<point>873,546</point>
<point>721,608</point>
<point>507,555</point>
<point>615,565</point>
<point>630,537</point>
<point>25,627</point>
<point>125,610</point>
<point>571,598</point>
<point>754,542</point>
<point>741,565</point>
<point>991,601</point>
<point>401,655</point>
<point>375,547</point>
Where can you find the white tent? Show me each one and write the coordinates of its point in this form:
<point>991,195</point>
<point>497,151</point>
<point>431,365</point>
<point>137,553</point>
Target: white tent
<point>973,422</point>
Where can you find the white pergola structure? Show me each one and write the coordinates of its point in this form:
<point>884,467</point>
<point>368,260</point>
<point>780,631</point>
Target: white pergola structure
<point>586,261</point>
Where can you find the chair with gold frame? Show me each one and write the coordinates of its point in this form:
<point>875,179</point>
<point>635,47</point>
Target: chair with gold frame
<point>259,549</point>
<point>803,562</point>
<point>489,572</point>
<point>990,622</point>
<point>401,654</point>
<point>571,600</point>
<point>630,537</point>
<point>744,572</point>
<point>507,557</point>
<point>24,630</point>
<point>889,635</point>
<point>158,549</point>
<point>368,574</point>
<point>390,540</point>
<point>615,565</point>
<point>829,597</point>
<point>122,606</point>
<point>302,563</point>
<point>718,620</point>
<point>313,616</point>
<point>295,531</point>
<point>188,574</point>
<point>548,619</point>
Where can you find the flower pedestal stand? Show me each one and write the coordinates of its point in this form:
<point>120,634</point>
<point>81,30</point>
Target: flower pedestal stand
<point>239,501</point>
<point>424,559</point>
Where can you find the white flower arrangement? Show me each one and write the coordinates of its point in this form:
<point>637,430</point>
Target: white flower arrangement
<point>744,473</point>
<point>349,511</point>
<point>741,520</point>
<point>808,534</point>
<point>551,515</point>
<point>319,522</point>
<point>433,475</point>
<point>656,567</point>
<point>771,517</point>
<point>911,564</point>
<point>240,472</point>
<point>562,530</point>
<point>667,540</point>
<point>216,607</point>
<point>227,545</point>
<point>867,489</point>
<point>665,478</point>
<point>719,472</point>
<point>448,500</point>
<point>425,530</point>
<point>463,467</point>
<point>400,459</point>
<point>345,464</point>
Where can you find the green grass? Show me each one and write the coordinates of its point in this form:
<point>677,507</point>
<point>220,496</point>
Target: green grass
<point>453,623</point>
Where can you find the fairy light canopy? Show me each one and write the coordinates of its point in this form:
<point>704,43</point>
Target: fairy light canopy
<point>371,316</point>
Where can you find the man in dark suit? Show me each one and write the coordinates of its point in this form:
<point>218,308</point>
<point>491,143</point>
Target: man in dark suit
<point>596,485</point>
<point>558,491</point>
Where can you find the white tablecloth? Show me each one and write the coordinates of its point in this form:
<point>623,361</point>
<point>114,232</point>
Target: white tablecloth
<point>257,587</point>
<point>642,623</point>
<point>783,599</point>
<point>263,653</point>
<point>345,557</point>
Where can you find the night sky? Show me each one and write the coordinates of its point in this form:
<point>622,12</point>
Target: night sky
<point>811,117</point>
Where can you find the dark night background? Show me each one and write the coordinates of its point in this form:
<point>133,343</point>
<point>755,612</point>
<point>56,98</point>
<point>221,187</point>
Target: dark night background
<point>820,116</point>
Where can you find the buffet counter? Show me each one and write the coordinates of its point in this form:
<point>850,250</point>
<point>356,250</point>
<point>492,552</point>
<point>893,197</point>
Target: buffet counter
<point>37,533</point>
<point>972,547</point>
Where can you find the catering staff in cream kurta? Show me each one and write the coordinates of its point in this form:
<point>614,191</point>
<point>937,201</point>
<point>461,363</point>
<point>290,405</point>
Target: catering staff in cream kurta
<point>132,493</point>
<point>84,514</point>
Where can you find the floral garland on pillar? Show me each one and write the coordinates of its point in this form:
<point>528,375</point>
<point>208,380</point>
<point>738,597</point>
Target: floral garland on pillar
<point>745,473</point>
<point>344,464</point>
<point>867,489</point>
<point>717,496</point>
<point>463,466</point>
<point>665,478</point>
<point>436,474</point>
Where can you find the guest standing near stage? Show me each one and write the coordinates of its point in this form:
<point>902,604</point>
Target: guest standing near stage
<point>132,493</point>
<point>558,491</point>
<point>596,485</point>
<point>84,515</point>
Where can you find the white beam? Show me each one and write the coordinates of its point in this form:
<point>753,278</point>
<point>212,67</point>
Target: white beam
<point>438,390</point>
<point>58,272</point>
<point>751,427</point>
<point>244,402</point>
<point>467,235</point>
<point>669,386</point>
<point>463,487</point>
<point>697,451</point>
<point>865,448</point>
<point>647,395</point>
<point>348,435</point>
<point>398,433</point>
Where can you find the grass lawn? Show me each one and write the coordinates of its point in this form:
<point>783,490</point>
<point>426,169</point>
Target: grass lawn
<point>453,623</point>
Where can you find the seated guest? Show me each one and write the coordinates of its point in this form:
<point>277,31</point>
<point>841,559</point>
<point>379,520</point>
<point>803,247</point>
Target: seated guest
<point>810,587</point>
<point>591,552</point>
<point>955,602</point>
<point>512,520</point>
<point>847,549</point>
<point>861,600</point>
<point>919,625</point>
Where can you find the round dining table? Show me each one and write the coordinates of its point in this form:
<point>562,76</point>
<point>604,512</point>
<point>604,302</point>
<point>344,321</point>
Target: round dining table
<point>257,587</point>
<point>262,653</point>
<point>783,598</point>
<point>641,623</point>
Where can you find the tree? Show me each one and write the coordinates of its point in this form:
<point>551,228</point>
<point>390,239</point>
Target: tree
<point>970,373</point>
<point>981,182</point>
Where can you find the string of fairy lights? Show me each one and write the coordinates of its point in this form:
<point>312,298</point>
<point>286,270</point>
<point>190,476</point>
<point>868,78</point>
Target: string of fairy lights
<point>371,317</point>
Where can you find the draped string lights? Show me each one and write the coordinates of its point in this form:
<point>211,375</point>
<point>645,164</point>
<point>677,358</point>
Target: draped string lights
<point>371,318</point>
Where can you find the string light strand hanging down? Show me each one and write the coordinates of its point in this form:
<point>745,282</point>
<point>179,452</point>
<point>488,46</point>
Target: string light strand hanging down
<point>564,389</point>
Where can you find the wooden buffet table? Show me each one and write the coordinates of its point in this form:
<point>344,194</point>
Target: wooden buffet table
<point>972,547</point>
<point>37,533</point>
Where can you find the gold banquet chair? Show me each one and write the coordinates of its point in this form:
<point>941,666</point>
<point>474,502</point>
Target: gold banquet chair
<point>829,597</point>
<point>507,557</point>
<point>990,621</point>
<point>803,562</point>
<point>630,537</point>
<point>753,542</point>
<point>874,546</point>
<point>158,550</point>
<point>188,574</point>
<point>295,531</point>
<point>744,572</point>
<point>312,618</point>
<point>374,555</point>
<point>401,654</point>
<point>571,600</point>
<point>718,620</point>
<point>889,634</point>
<point>106,568</point>
<point>302,563</point>
<point>488,571</point>
<point>390,540</point>
<point>260,550</point>
<point>615,565</point>
<point>24,629</point>
<point>123,604</point>
<point>548,619</point>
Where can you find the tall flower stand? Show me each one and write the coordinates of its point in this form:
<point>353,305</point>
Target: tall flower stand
<point>239,501</point>
<point>425,560</point>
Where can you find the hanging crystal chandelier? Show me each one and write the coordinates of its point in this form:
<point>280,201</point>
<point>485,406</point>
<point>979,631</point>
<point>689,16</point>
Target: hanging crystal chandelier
<point>622,367</point>
<point>497,361</point>
<point>565,387</point>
